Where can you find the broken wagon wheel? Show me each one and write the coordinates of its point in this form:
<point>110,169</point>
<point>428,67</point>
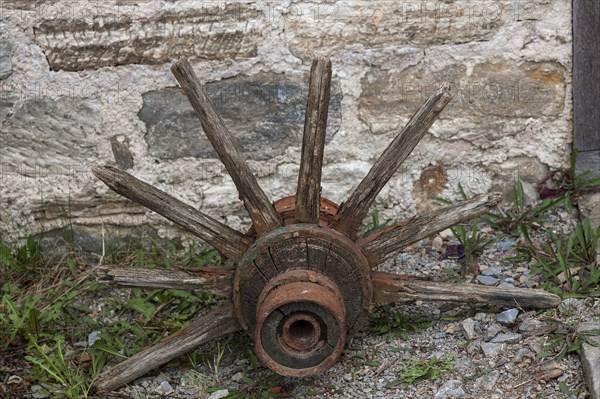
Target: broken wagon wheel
<point>303,281</point>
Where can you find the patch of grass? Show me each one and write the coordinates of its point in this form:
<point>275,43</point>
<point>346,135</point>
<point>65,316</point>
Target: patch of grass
<point>399,324</point>
<point>564,339</point>
<point>70,375</point>
<point>522,217</point>
<point>47,319</point>
<point>374,225</point>
<point>416,370</point>
<point>566,263</point>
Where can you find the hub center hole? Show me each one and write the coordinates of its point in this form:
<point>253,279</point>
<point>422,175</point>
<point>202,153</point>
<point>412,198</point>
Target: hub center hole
<point>302,331</point>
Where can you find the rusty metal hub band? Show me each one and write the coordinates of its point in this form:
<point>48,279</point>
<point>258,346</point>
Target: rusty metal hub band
<point>300,323</point>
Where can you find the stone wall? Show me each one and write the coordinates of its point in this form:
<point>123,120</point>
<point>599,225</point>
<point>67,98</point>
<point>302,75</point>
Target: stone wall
<point>85,82</point>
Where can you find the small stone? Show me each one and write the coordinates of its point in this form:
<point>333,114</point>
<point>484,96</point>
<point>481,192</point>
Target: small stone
<point>14,380</point>
<point>487,383</point>
<point>509,338</point>
<point>523,279</point>
<point>506,245</point>
<point>481,316</point>
<point>438,244</point>
<point>450,389</point>
<point>521,354</point>
<point>241,362</point>
<point>492,349</point>
<point>164,389</point>
<point>446,234</point>
<point>473,347</point>
<point>220,394</point>
<point>492,330</point>
<point>521,269</point>
<point>536,346</point>
<point>529,325</point>
<point>93,337</point>
<point>508,316</point>
<point>237,377</point>
<point>506,285</point>
<point>492,271</point>
<point>451,329</point>
<point>487,280</point>
<point>39,392</point>
<point>468,326</point>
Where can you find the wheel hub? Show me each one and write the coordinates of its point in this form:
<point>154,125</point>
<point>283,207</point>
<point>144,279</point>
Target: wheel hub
<point>299,291</point>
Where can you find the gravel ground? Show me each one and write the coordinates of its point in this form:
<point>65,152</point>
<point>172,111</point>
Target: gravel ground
<point>492,350</point>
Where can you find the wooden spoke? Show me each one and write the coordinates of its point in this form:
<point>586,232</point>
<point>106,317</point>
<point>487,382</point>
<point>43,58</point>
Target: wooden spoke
<point>218,323</point>
<point>209,280</point>
<point>257,204</point>
<point>355,209</point>
<point>228,241</point>
<point>389,287</point>
<point>379,246</point>
<point>313,143</point>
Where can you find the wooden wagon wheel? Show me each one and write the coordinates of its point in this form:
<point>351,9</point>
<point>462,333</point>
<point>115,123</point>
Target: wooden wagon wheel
<point>303,282</point>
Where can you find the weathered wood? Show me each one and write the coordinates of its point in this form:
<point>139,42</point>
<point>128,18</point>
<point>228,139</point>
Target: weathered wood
<point>389,288</point>
<point>228,241</point>
<point>586,76</point>
<point>308,192</point>
<point>218,323</point>
<point>588,160</point>
<point>355,209</point>
<point>257,204</point>
<point>379,246</point>
<point>208,280</point>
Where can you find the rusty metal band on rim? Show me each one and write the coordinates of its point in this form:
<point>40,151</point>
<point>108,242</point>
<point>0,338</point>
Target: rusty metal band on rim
<point>300,323</point>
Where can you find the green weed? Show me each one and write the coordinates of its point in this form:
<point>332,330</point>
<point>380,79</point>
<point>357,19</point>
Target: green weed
<point>419,370</point>
<point>374,225</point>
<point>566,263</point>
<point>522,217</point>
<point>399,324</point>
<point>564,339</point>
<point>472,240</point>
<point>52,366</point>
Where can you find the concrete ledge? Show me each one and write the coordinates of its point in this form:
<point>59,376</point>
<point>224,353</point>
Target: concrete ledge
<point>590,359</point>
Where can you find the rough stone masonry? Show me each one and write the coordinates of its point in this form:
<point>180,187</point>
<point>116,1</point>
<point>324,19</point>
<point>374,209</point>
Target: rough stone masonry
<point>85,82</point>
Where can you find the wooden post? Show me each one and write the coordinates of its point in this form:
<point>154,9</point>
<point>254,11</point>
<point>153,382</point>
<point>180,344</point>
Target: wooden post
<point>586,84</point>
